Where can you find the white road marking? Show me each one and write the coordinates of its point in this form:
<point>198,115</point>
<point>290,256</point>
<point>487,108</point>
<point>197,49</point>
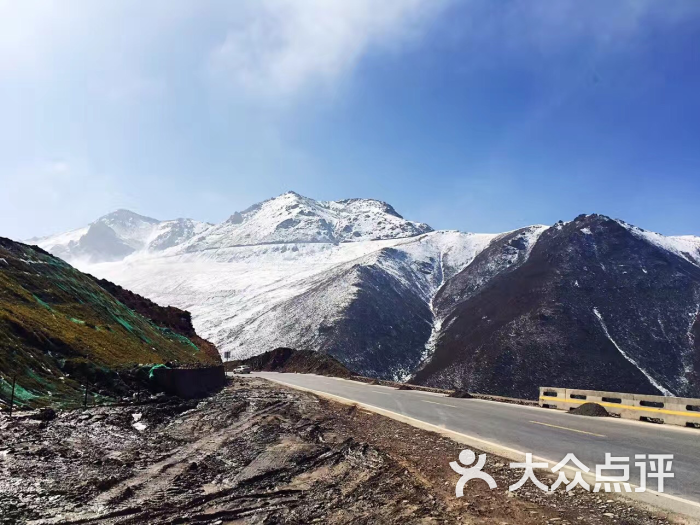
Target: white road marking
<point>567,428</point>
<point>435,403</point>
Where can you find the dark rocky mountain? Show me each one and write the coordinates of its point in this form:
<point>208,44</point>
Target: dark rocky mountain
<point>593,306</point>
<point>382,330</point>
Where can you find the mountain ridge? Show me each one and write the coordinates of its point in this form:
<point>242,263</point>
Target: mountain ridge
<point>385,296</point>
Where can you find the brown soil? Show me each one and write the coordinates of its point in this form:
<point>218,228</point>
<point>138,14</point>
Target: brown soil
<point>260,453</point>
<point>290,360</point>
<point>590,409</point>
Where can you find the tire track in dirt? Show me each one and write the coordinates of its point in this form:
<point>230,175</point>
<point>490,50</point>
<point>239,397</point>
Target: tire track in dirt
<point>152,484</point>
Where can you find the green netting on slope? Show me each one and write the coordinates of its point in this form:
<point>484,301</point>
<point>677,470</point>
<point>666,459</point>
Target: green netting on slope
<point>42,303</point>
<point>36,377</point>
<point>174,335</point>
<point>124,316</point>
<point>71,289</point>
<point>150,372</point>
<point>21,395</point>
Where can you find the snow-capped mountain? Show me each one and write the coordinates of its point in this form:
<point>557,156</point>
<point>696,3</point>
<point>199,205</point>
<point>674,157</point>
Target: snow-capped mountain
<point>118,235</point>
<point>500,313</point>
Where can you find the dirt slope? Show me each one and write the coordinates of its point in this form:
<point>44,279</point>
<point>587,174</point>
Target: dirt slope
<point>60,327</point>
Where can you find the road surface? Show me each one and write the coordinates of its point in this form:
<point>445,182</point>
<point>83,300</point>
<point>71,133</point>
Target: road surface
<point>549,434</point>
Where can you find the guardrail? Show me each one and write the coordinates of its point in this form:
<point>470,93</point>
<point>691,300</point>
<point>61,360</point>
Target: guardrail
<point>681,411</point>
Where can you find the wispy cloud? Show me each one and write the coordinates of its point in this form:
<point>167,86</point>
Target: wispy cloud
<point>267,47</point>
<point>279,48</point>
<point>283,46</point>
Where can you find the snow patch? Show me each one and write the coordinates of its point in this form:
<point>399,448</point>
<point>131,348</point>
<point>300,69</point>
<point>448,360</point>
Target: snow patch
<point>685,246</point>
<point>665,391</point>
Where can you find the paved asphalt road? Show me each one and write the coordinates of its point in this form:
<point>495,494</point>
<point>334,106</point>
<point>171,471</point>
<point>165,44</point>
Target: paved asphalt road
<point>550,434</point>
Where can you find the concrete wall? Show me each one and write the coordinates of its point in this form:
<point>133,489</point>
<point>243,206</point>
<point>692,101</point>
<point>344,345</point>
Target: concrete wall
<point>671,410</point>
<point>189,383</point>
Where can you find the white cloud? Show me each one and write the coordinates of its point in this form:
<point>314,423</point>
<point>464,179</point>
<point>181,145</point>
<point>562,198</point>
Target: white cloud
<point>269,47</point>
<point>284,46</point>
<point>278,48</point>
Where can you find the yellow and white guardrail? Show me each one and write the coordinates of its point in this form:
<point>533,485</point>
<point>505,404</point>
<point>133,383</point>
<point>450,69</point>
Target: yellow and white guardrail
<point>671,410</point>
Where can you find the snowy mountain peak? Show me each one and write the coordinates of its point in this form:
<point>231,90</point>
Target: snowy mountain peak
<point>126,217</point>
<point>293,218</point>
<point>131,228</point>
<point>288,218</point>
<point>119,234</point>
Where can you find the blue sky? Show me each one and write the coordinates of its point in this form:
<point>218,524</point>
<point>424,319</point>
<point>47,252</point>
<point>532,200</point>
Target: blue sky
<point>479,115</point>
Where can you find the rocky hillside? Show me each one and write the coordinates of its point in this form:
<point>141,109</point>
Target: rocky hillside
<point>593,303</point>
<point>294,361</point>
<point>165,317</point>
<point>60,327</point>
